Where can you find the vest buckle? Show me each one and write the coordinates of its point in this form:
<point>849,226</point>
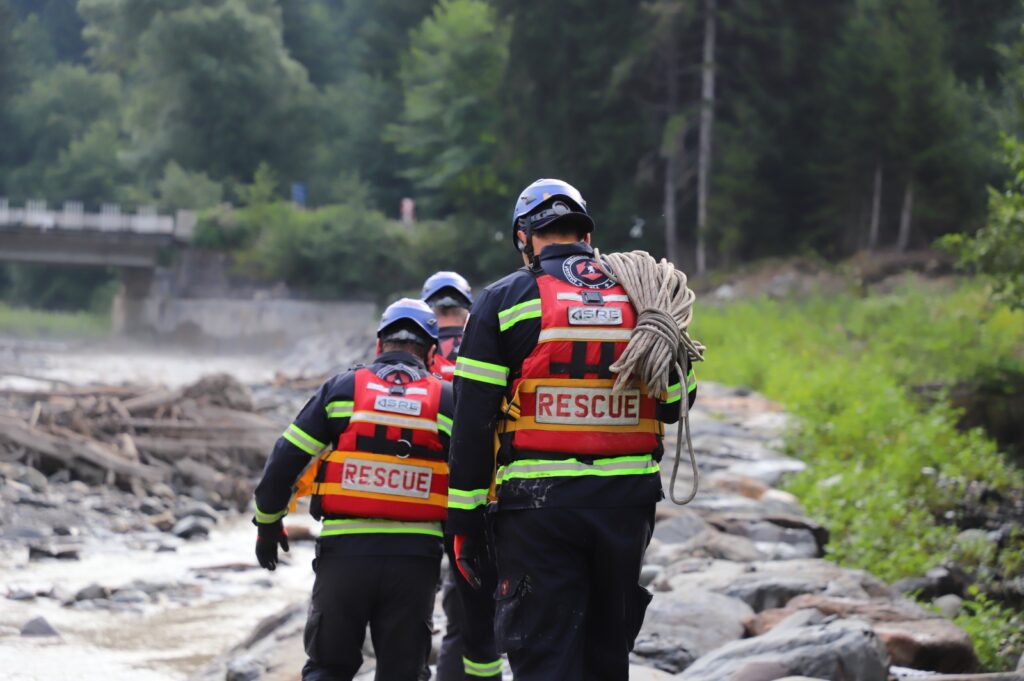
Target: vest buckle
<point>592,298</point>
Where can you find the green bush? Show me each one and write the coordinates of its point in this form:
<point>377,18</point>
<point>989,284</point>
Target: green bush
<point>884,467</point>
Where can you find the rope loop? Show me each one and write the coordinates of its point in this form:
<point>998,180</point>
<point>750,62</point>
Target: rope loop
<point>660,342</point>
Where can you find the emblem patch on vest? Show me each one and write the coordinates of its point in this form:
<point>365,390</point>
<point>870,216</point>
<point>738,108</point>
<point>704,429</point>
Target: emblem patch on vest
<point>580,270</point>
<point>386,478</point>
<point>595,316</point>
<point>587,406</point>
<point>397,405</point>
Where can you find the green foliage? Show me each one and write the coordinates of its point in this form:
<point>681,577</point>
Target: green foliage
<point>182,190</point>
<point>997,249</point>
<point>48,324</point>
<point>449,122</point>
<point>884,469</point>
<point>997,632</point>
<point>58,288</point>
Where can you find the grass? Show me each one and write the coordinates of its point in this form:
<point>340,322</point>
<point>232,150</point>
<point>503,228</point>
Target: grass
<point>887,470</point>
<point>28,323</point>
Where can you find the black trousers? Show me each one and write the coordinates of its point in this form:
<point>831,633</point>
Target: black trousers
<point>569,602</point>
<point>470,632</point>
<point>393,594</point>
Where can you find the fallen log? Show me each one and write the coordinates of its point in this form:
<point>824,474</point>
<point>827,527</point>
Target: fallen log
<point>72,449</point>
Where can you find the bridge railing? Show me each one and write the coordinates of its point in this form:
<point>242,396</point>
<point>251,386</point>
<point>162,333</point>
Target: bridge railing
<point>109,219</point>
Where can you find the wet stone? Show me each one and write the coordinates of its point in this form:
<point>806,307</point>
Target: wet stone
<point>192,526</point>
<point>130,596</point>
<point>38,626</point>
<point>92,592</point>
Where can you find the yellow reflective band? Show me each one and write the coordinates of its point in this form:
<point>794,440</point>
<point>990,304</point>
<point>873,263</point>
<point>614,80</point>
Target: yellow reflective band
<point>529,309</point>
<point>675,392</point>
<point>481,668</point>
<point>545,468</point>
<point>444,424</point>
<point>303,440</point>
<point>376,526</point>
<point>466,500</point>
<point>691,381</point>
<point>339,410</point>
<point>484,372</point>
<point>267,518</point>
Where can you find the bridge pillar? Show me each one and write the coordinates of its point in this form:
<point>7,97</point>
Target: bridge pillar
<point>129,312</point>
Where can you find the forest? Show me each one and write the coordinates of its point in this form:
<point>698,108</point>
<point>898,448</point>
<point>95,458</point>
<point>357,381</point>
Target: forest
<point>715,132</point>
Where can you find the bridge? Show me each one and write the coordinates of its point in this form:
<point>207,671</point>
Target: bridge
<point>134,243</point>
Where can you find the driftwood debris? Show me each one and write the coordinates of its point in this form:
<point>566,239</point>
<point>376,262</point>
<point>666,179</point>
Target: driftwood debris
<point>206,434</point>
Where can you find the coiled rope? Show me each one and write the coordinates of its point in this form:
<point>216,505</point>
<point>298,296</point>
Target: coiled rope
<point>660,342</point>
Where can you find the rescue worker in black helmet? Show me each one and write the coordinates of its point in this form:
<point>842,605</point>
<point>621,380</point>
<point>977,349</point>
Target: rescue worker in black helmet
<point>576,469</point>
<point>467,650</point>
<point>371,448</point>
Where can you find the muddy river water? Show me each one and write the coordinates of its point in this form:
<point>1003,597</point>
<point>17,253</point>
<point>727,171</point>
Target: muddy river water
<point>217,592</point>
<point>168,639</point>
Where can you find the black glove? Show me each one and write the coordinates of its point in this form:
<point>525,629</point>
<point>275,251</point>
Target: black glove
<point>268,536</point>
<point>470,553</point>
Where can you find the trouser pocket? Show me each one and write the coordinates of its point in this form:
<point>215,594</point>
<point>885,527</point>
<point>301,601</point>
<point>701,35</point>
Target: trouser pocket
<point>635,621</point>
<point>509,613</point>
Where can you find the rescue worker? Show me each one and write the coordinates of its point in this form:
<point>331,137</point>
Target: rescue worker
<point>577,468</point>
<point>378,438</point>
<point>467,649</point>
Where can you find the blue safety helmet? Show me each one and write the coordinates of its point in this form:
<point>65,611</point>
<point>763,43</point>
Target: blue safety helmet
<point>447,289</point>
<point>410,320</point>
<point>543,203</point>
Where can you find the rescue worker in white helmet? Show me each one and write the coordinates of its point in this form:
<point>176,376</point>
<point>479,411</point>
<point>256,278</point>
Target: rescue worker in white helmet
<point>371,447</point>
<point>467,650</point>
<point>576,470</point>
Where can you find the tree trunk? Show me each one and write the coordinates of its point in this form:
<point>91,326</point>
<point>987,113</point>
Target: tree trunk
<point>905,217</point>
<point>876,209</point>
<point>671,153</point>
<point>707,119</point>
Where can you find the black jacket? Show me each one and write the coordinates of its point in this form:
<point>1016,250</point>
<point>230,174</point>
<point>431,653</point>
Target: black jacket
<point>497,352</point>
<point>312,431</point>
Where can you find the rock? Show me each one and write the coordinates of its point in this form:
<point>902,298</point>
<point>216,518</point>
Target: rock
<point>766,621</point>
<point>938,581</point>
<point>192,526</point>
<point>92,592</point>
<point>648,573</point>
<point>935,644</point>
<point>1020,664</point>
<point>130,596</point>
<point>38,626</point>
<point>877,610</point>
<point>699,573</point>
<point>681,528</point>
<point>682,626</point>
<point>26,475</point>
<point>162,490</point>
<point>778,536</point>
<point>198,509</point>
<point>708,544</point>
<point>245,669</point>
<point>37,550</point>
<point>163,521</point>
<point>152,506</point>
<point>20,595</point>
<point>743,485</point>
<point>949,605</point>
<point>837,650</point>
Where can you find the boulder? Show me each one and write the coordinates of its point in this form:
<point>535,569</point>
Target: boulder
<point>699,573</point>
<point>683,527</point>
<point>92,592</point>
<point>682,626</point>
<point>708,544</point>
<point>949,606</point>
<point>743,485</point>
<point>38,626</point>
<point>245,668</point>
<point>26,475</point>
<point>935,645</point>
<point>837,650</point>
<point>192,526</point>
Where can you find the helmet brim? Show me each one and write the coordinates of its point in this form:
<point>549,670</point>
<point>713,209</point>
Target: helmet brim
<point>581,221</point>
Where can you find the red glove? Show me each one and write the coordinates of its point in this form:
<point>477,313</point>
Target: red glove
<point>470,552</point>
<point>268,537</point>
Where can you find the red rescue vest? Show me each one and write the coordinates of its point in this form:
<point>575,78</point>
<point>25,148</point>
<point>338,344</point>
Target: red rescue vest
<point>563,402</point>
<point>442,368</point>
<point>389,462</point>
